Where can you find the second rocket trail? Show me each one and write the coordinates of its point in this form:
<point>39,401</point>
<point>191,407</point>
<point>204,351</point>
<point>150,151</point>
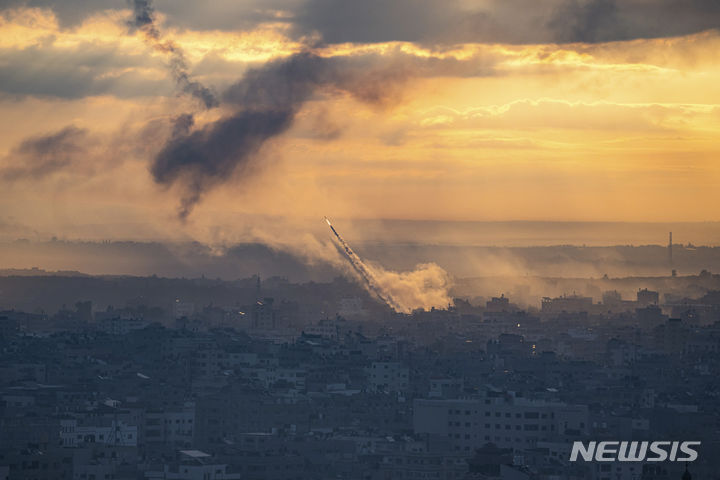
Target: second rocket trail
<point>362,269</point>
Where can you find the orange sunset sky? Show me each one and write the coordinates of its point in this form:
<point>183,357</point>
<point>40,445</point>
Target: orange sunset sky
<point>460,110</point>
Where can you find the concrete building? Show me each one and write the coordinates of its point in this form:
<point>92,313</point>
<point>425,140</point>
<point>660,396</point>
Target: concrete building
<point>75,432</point>
<point>647,297</point>
<point>505,420</point>
<point>567,303</point>
<point>388,377</point>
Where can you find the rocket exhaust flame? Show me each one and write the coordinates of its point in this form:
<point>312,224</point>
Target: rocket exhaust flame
<point>365,273</point>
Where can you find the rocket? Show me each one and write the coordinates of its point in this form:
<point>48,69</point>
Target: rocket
<point>332,228</point>
<point>352,256</point>
<point>365,273</point>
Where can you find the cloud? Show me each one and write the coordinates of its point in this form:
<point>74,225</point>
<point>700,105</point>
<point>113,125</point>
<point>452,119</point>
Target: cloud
<point>71,157</point>
<point>594,21</point>
<point>559,114</point>
<point>78,72</point>
<point>503,21</point>
<point>68,12</point>
<point>430,22</point>
<point>41,156</point>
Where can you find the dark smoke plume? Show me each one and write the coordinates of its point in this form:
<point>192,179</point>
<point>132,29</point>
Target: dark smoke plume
<point>144,20</point>
<point>206,157</point>
<point>41,156</point>
<point>266,101</point>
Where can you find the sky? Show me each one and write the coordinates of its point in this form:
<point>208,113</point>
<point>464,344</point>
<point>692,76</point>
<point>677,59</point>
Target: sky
<point>175,118</point>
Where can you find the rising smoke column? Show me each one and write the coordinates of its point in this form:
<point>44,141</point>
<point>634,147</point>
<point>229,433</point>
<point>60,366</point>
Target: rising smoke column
<point>144,20</point>
<point>265,103</point>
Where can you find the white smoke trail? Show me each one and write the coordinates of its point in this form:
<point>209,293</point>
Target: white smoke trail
<point>425,287</point>
<point>365,273</point>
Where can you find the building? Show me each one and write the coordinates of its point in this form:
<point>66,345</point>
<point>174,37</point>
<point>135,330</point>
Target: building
<point>567,303</point>
<point>498,304</point>
<point>388,377</point>
<point>74,432</point>
<point>193,465</point>
<point>174,426</point>
<point>504,419</point>
<point>647,297</point>
<point>263,314</point>
<point>183,309</point>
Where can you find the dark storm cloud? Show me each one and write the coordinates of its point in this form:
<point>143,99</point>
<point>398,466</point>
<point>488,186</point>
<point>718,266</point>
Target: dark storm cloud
<point>588,21</point>
<point>41,156</point>
<point>504,21</point>
<point>425,21</point>
<point>368,21</point>
<point>611,20</point>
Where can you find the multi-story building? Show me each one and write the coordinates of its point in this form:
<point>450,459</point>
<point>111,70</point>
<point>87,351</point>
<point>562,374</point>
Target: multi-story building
<point>388,377</point>
<point>74,432</point>
<point>506,420</point>
<point>173,426</point>
<point>567,303</point>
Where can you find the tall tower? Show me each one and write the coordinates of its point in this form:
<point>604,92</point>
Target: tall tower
<point>670,250</point>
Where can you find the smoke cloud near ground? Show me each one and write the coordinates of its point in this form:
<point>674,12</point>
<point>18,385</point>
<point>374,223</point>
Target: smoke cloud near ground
<point>425,287</point>
<point>422,286</point>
